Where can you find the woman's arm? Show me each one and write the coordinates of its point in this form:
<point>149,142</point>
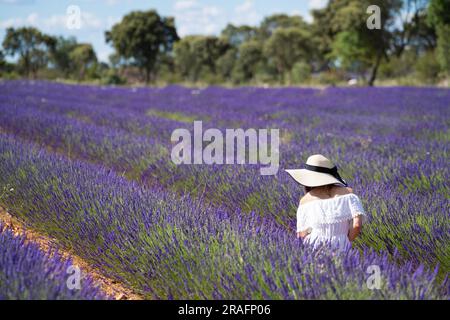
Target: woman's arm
<point>303,234</point>
<point>355,229</point>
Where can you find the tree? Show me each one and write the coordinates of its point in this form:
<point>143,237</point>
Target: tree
<point>284,39</point>
<point>406,28</point>
<point>30,45</point>
<point>226,63</point>
<point>301,71</point>
<point>83,56</point>
<point>2,60</point>
<point>60,55</point>
<point>286,47</point>
<point>354,55</point>
<point>355,45</point>
<point>277,21</point>
<point>411,29</point>
<point>439,12</point>
<point>236,35</point>
<point>193,54</point>
<point>439,17</point>
<point>250,55</point>
<point>323,33</point>
<point>427,68</point>
<point>141,37</point>
<point>185,58</point>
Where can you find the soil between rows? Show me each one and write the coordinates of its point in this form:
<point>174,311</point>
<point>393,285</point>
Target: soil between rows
<point>110,287</point>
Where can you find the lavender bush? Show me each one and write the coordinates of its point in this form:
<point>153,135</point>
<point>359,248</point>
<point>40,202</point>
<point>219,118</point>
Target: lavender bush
<point>166,247</point>
<point>26,272</point>
<point>150,230</point>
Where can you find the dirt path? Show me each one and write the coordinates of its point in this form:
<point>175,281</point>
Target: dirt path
<point>108,286</point>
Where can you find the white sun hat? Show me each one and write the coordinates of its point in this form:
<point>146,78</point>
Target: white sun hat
<point>318,171</point>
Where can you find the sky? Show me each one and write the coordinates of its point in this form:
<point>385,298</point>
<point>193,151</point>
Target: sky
<point>56,17</point>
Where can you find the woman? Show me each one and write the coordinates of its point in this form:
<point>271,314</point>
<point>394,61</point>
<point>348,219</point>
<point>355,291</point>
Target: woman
<point>329,212</point>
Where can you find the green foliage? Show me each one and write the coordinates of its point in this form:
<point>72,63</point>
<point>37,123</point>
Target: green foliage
<point>83,56</point>
<point>439,17</point>
<point>177,116</point>
<point>286,47</point>
<point>196,55</point>
<point>2,60</point>
<point>237,35</point>
<point>331,77</point>
<point>351,52</point>
<point>30,45</point>
<point>71,60</point>
<point>60,55</point>
<point>439,12</point>
<point>283,49</point>
<point>250,56</point>
<point>356,46</point>
<point>323,32</point>
<point>141,37</point>
<point>399,66</point>
<point>7,70</point>
<point>226,63</point>
<point>280,21</point>
<point>301,72</point>
<point>443,47</point>
<point>427,68</point>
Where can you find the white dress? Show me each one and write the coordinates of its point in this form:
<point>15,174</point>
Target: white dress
<point>329,220</point>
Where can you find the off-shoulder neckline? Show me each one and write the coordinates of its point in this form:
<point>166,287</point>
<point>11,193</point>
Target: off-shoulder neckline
<point>333,198</point>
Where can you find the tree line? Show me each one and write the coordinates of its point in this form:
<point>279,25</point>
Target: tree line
<point>412,41</point>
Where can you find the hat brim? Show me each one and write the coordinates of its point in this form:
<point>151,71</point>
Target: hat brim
<point>310,178</point>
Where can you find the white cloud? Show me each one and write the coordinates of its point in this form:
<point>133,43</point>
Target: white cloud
<point>317,4</point>
<point>246,13</point>
<point>54,21</point>
<point>20,2</point>
<point>314,4</point>
<point>210,28</point>
<point>103,55</point>
<point>111,21</point>
<point>308,18</point>
<point>210,11</point>
<point>185,4</point>
<point>193,17</point>
<point>89,21</point>
<point>244,7</point>
<point>112,2</point>
<point>31,20</point>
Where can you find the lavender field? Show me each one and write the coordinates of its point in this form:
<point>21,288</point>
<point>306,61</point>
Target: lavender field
<point>91,167</point>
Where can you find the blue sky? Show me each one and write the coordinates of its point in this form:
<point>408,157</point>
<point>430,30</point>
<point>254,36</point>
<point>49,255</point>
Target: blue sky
<point>191,16</point>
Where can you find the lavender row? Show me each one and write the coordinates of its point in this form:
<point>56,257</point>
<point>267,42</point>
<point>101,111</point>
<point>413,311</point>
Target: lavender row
<point>116,148</point>
<point>167,247</point>
<point>28,273</point>
<point>394,156</point>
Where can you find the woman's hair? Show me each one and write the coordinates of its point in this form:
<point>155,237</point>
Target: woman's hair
<point>308,189</point>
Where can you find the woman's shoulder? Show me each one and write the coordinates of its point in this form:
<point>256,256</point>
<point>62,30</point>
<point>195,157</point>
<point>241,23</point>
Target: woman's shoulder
<point>305,198</point>
<point>335,192</point>
<point>340,191</point>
